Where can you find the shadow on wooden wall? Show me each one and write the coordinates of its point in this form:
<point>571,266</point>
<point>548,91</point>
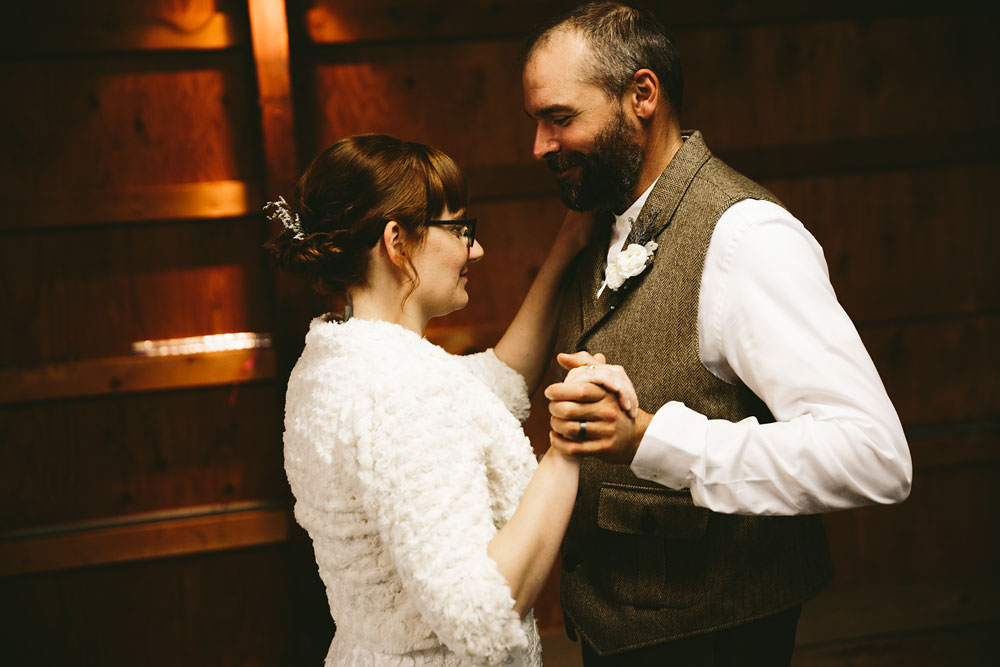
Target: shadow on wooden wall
<point>147,517</point>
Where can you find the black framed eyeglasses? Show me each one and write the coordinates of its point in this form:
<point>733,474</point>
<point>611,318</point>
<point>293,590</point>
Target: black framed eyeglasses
<point>463,227</point>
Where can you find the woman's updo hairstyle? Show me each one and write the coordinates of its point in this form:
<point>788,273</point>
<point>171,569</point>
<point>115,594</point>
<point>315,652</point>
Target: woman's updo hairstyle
<point>348,194</point>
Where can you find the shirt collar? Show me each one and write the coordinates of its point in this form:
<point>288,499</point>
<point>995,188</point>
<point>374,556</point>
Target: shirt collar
<point>632,212</point>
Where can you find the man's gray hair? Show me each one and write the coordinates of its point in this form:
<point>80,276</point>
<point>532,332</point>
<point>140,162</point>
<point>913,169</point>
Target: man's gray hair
<point>622,41</point>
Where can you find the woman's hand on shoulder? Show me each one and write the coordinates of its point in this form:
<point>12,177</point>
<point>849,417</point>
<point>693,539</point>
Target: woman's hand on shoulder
<point>576,230</point>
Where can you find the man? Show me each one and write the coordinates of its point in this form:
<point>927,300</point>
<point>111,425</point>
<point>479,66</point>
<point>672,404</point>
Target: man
<point>695,535</point>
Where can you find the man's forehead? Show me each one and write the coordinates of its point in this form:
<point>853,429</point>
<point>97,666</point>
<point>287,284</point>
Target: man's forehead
<point>554,76</point>
<point>563,49</point>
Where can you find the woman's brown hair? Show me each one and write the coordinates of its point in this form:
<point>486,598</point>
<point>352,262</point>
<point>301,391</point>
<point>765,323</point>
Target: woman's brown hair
<point>348,194</point>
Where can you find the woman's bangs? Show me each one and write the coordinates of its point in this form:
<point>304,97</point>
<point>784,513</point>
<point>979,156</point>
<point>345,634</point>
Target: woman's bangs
<point>446,185</point>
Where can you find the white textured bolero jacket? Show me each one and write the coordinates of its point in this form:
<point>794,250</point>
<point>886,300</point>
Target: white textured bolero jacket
<point>405,461</point>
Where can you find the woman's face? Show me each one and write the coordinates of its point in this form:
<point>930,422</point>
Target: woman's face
<point>442,262</point>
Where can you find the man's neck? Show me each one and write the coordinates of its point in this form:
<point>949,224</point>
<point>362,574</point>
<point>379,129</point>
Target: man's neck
<point>659,152</point>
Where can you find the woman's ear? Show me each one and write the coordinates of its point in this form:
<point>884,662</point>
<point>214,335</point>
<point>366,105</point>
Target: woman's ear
<point>393,243</point>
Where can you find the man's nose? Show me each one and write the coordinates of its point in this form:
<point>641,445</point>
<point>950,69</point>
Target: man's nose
<point>545,143</point>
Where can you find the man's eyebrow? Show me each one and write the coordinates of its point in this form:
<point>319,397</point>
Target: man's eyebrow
<point>551,110</point>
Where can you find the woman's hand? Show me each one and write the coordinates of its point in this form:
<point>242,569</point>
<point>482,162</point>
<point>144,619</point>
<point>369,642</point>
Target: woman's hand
<point>576,230</point>
<point>584,367</point>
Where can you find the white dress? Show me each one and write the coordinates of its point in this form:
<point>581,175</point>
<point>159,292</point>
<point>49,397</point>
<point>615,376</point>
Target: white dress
<point>405,461</point>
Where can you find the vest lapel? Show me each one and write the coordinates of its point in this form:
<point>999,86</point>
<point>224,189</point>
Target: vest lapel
<point>594,309</point>
<point>658,211</point>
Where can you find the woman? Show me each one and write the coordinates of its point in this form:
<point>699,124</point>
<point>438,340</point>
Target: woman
<point>433,526</point>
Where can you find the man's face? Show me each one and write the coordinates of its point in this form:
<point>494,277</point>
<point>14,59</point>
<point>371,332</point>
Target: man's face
<point>583,136</point>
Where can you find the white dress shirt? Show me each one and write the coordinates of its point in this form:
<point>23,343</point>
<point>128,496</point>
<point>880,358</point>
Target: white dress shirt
<point>768,318</point>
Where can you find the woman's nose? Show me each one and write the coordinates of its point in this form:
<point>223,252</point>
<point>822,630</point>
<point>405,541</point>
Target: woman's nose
<point>476,252</point>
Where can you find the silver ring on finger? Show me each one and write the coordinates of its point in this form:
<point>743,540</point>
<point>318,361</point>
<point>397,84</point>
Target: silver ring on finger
<point>582,435</point>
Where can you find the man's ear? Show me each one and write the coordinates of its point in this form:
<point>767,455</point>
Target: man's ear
<point>644,93</point>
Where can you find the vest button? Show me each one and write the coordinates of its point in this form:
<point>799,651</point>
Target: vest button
<point>648,524</point>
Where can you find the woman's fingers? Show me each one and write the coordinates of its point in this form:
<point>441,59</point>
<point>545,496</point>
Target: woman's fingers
<point>612,378</point>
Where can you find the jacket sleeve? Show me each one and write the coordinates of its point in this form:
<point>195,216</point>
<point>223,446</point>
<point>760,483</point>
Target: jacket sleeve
<point>424,482</point>
<point>502,380</point>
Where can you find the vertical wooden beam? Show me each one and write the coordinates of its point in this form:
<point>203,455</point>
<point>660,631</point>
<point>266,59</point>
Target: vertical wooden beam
<point>269,35</point>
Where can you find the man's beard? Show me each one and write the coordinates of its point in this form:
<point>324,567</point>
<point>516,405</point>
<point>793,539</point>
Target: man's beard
<point>608,173</point>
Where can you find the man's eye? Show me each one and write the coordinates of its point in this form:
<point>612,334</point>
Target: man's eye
<point>561,121</point>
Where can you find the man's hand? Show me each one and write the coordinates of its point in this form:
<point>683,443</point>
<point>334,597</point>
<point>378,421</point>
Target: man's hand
<point>595,410</point>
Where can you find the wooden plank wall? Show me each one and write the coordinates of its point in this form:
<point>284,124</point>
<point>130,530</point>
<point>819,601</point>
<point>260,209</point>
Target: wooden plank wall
<point>146,516</point>
<point>133,169</point>
<point>872,121</point>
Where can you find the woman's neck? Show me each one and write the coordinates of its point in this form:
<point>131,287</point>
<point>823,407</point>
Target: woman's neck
<point>386,305</point>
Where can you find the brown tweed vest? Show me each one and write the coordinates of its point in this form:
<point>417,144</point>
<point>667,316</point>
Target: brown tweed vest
<point>641,564</point>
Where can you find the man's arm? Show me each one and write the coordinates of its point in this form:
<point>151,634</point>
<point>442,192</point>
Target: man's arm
<point>780,330</point>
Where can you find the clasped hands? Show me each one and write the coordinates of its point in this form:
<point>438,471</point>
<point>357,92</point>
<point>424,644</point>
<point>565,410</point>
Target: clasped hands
<point>595,410</point>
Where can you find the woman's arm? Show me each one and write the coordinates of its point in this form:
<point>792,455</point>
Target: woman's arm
<point>526,345</point>
<point>526,547</point>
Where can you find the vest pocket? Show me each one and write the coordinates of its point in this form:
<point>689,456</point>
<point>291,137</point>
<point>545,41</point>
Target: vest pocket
<point>651,549</point>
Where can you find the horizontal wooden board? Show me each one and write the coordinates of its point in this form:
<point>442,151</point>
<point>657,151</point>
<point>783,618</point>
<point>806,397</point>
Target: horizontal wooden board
<point>113,375</point>
<point>945,527</point>
<point>125,123</point>
<point>966,645</point>
<point>930,368</point>
<point>67,26</point>
<point>927,624</point>
<point>876,611</point>
<point>462,98</point>
<point>964,444</point>
<point>179,201</point>
<point>899,243</point>
<point>133,538</point>
<point>80,294</point>
<point>89,458</point>
<point>231,607</point>
<point>792,84</point>
<point>934,369</point>
<point>330,21</point>
<point>751,88</point>
<point>906,243</point>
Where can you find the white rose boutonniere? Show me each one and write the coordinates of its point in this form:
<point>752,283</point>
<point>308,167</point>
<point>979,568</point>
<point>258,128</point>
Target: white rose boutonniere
<point>629,263</point>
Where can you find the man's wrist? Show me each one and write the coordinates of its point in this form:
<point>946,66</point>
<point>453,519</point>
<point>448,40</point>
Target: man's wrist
<point>640,424</point>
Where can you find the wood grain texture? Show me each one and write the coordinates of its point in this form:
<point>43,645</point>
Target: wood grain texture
<point>141,538</point>
<point>227,608</point>
<point>878,611</point>
<point>269,36</point>
<point>330,21</point>
<point>904,243</point>
<point>938,371</point>
<point>95,206</point>
<point>85,459</point>
<point>125,375</point>
<point>794,84</point>
<point>116,123</point>
<point>66,26</point>
<point>90,293</point>
<point>747,88</point>
<point>944,529</point>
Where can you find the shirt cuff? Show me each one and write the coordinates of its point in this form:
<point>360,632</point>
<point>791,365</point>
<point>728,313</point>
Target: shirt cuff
<point>671,451</point>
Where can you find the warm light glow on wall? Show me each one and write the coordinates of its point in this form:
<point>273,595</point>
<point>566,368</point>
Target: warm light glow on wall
<point>201,344</point>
